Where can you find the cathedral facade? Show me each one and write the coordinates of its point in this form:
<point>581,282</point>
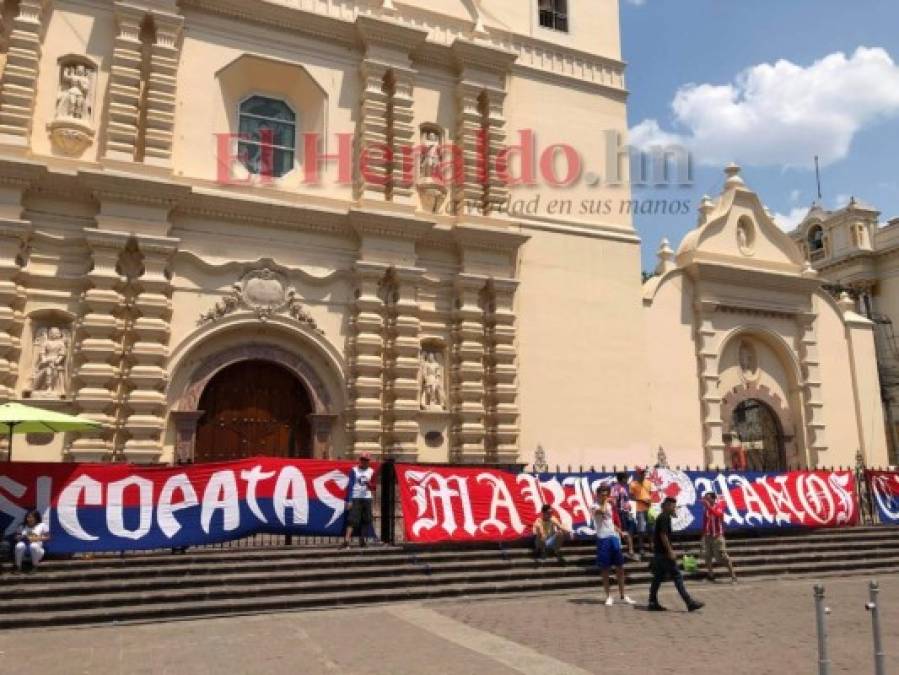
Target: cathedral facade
<point>227,229</point>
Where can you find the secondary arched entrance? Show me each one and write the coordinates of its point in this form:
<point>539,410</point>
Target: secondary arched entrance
<point>761,435</point>
<point>253,407</point>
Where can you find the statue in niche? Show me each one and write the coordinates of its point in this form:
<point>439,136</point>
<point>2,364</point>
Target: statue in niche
<point>430,156</point>
<point>72,99</point>
<point>748,360</point>
<point>51,352</point>
<point>432,392</point>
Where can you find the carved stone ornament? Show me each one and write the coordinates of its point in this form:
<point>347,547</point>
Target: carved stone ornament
<point>264,292</point>
<point>749,362</point>
<point>746,237</point>
<point>72,128</point>
<point>50,362</point>
<point>433,391</point>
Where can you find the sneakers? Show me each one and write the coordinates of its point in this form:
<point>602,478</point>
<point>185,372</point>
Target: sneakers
<point>343,545</point>
<point>627,601</point>
<point>656,607</point>
<point>610,601</point>
<point>695,605</point>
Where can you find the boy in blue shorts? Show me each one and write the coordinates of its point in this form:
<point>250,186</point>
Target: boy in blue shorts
<point>608,546</point>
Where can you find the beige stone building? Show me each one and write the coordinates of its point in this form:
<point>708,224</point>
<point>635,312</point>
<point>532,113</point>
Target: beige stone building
<point>859,257</point>
<point>199,250</point>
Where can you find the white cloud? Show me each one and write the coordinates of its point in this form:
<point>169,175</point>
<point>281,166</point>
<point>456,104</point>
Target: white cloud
<point>782,113</point>
<point>794,195</point>
<point>790,221</point>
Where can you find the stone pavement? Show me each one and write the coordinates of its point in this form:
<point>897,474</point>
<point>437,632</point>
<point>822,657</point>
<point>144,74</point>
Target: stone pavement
<point>755,627</point>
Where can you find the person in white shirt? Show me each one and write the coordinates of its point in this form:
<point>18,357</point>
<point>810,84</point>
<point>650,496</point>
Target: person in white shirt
<point>608,546</point>
<point>360,492</point>
<point>30,539</point>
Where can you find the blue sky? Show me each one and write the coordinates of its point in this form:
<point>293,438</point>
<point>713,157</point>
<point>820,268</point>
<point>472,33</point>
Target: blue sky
<point>830,86</point>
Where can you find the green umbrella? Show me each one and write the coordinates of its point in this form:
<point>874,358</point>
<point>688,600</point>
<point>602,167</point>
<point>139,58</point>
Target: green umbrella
<point>16,418</point>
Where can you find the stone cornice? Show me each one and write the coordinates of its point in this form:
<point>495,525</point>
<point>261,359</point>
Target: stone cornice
<point>21,172</point>
<point>468,54</point>
<point>367,222</point>
<point>488,237</point>
<point>336,23</point>
<point>133,189</point>
<point>389,33</point>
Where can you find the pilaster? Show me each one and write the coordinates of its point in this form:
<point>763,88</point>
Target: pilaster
<point>402,366</point>
<point>18,87</point>
<point>13,238</point>
<point>365,351</point>
<point>161,89</point>
<point>125,78</point>
<point>467,390</point>
<point>811,387</point>
<point>146,378</point>
<point>501,373</point>
<point>98,347</point>
<point>710,397</point>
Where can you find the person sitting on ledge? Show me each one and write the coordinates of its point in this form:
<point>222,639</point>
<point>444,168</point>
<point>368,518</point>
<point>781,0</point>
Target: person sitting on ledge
<point>30,539</point>
<point>549,535</point>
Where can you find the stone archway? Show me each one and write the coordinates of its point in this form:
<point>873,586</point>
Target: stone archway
<point>186,412</point>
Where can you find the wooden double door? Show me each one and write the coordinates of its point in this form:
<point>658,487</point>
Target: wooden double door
<point>253,408</point>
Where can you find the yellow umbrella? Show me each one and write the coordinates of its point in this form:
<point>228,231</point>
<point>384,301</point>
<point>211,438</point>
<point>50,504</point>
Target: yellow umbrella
<point>16,418</point>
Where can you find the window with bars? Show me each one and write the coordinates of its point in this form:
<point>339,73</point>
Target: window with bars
<point>554,14</point>
<point>268,136</point>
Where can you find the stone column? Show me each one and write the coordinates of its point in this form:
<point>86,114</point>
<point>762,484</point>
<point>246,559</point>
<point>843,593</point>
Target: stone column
<point>372,136</point>
<point>502,378</point>
<point>710,397</point>
<point>403,371</point>
<point>185,422</point>
<point>13,237</point>
<point>147,376</point>
<point>19,85</point>
<point>125,77</point>
<point>365,358</point>
<point>811,388</point>
<point>470,189</point>
<point>497,192</point>
<point>98,347</point>
<point>467,397</point>
<point>161,88</point>
<point>403,135</point>
<point>322,425</point>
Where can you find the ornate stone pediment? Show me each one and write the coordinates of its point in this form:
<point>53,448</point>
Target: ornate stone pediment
<point>265,292</point>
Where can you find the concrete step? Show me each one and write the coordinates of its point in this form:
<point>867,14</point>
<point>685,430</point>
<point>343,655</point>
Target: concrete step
<point>28,617</point>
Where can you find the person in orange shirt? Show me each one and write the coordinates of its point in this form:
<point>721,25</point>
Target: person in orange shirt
<point>641,493</point>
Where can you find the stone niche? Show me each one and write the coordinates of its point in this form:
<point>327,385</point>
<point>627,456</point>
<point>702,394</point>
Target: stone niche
<point>434,416</point>
<point>49,360</point>
<point>72,129</point>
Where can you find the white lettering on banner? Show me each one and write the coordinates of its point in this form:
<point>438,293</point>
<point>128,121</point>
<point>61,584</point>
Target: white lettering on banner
<point>782,499</point>
<point>815,498</point>
<point>500,498</point>
<point>841,482</point>
<point>756,513</point>
<point>10,508</point>
<point>252,478</point>
<point>115,511</point>
<point>290,493</point>
<point>221,494</point>
<point>42,502</point>
<point>530,492</point>
<point>579,501</point>
<point>336,503</point>
<point>880,486</point>
<point>433,495</point>
<point>167,508</point>
<point>67,505</point>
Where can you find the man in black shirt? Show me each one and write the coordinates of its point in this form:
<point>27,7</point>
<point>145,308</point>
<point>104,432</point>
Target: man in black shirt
<point>664,562</point>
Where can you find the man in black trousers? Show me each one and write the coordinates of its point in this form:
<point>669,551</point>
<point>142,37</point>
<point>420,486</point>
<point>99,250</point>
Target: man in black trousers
<point>664,561</point>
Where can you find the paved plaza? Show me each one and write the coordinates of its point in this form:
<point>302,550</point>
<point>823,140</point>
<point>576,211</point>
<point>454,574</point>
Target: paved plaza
<point>754,627</point>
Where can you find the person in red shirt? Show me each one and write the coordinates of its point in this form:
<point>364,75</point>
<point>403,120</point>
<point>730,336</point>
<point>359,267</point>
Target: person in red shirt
<point>713,535</point>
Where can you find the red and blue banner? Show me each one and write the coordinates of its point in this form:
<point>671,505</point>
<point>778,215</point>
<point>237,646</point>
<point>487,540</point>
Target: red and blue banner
<point>884,486</point>
<point>117,507</point>
<point>470,504</point>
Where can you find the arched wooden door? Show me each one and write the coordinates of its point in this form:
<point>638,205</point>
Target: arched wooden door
<point>761,435</point>
<point>253,408</point>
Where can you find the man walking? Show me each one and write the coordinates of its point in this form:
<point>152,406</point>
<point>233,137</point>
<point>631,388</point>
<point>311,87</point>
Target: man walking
<point>664,562</point>
<point>359,499</point>
<point>549,535</point>
<point>641,492</point>
<point>608,546</point>
<point>713,542</point>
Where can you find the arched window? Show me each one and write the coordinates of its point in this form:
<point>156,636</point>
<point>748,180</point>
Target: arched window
<point>268,136</point>
<point>816,239</point>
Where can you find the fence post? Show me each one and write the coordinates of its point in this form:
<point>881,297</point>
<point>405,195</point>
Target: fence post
<point>820,612</point>
<point>388,501</point>
<point>872,606</point>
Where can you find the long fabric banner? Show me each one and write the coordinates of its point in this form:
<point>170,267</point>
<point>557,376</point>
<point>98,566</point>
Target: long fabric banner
<point>115,507</point>
<point>468,504</point>
<point>884,487</point>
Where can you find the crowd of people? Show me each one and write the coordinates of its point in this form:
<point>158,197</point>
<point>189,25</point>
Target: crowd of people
<point>623,517</point>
